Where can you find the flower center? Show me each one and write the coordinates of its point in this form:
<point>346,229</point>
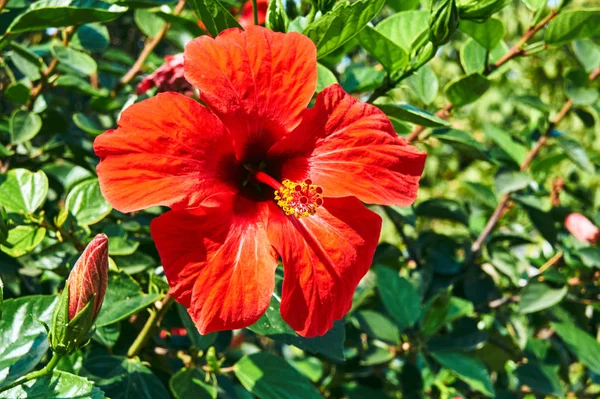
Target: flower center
<point>299,199</point>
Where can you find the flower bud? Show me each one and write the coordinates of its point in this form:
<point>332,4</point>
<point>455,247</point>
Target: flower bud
<point>443,22</point>
<point>81,300</point>
<point>167,77</point>
<point>582,228</point>
<point>480,10</point>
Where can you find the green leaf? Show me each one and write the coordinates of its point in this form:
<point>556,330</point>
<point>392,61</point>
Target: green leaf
<point>578,88</point>
<point>91,37</point>
<point>442,208</point>
<point>390,55</point>
<point>107,335</point>
<point>341,24</point>
<point>57,13</point>
<point>26,61</point>
<point>202,342</point>
<point>270,377</point>
<point>24,126</point>
<point>468,369</point>
<point>271,324</point>
<point>124,297</point>
<point>324,77</point>
<point>149,23</point>
<point>23,239</point>
<point>466,89</point>
<point>424,83</point>
<point>75,60</point>
<point>276,18</point>
<point>79,85</point>
<point>377,326</point>
<point>538,296</point>
<point>412,114</point>
<point>573,25</point>
<point>57,385</point>
<point>435,313</point>
<point>540,379</point>
<point>489,33</point>
<point>472,57</point>
<point>190,383</point>
<point>86,203</point>
<point>534,4</point>
<point>18,93</point>
<point>513,149</point>
<point>87,124</point>
<point>463,142</point>
<point>482,194</point>
<point>508,181</point>
<point>576,153</point>
<point>214,16</point>
<point>22,190</point>
<point>584,346</point>
<point>590,256</point>
<point>122,378</point>
<point>588,53</point>
<point>24,339</point>
<point>399,297</point>
<point>404,27</point>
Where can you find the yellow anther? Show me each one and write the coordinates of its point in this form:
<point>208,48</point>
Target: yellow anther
<point>299,199</point>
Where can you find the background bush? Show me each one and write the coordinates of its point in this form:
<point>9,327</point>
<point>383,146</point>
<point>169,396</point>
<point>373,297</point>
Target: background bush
<point>477,290</point>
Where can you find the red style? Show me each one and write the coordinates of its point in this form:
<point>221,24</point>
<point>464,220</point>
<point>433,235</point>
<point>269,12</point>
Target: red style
<point>255,177</point>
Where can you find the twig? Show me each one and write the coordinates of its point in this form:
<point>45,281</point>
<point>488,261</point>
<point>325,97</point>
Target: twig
<point>551,262</point>
<point>146,51</point>
<point>515,51</point>
<point>152,323</point>
<point>37,90</point>
<point>503,205</point>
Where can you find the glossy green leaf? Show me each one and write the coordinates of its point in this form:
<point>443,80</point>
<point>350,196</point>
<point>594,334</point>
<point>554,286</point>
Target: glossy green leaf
<point>191,383</point>
<point>573,25</point>
<point>86,203</point>
<point>488,33</point>
<point>424,83</point>
<point>341,24</point>
<point>391,56</point>
<point>57,13</point>
<point>148,22</point>
<point>468,369</point>
<point>579,89</point>
<point>202,342</point>
<point>400,298</point>
<point>76,60</point>
<point>507,181</point>
<point>26,61</point>
<point>24,126</point>
<point>442,208</point>
<point>270,377</point>
<point>57,385</point>
<point>122,378</point>
<point>23,239</point>
<point>472,57</point>
<point>590,256</point>
<point>375,325</point>
<point>24,339</point>
<point>466,89</point>
<point>124,297</point>
<point>324,77</point>
<point>22,190</point>
<point>404,27</point>
<point>412,114</point>
<point>214,15</point>
<point>512,148</point>
<point>539,379</point>
<point>91,37</point>
<point>581,344</point>
<point>576,153</point>
<point>463,142</point>
<point>19,93</point>
<point>588,53</point>
<point>539,296</point>
<point>107,335</point>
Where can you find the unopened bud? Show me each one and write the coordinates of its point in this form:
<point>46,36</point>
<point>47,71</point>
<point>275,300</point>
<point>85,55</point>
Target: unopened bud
<point>480,10</point>
<point>81,300</point>
<point>582,228</point>
<point>443,22</point>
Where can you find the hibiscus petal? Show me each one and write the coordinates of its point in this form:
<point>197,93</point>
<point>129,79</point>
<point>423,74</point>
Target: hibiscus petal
<point>342,137</point>
<point>324,258</point>
<point>168,150</point>
<point>257,81</point>
<point>219,262</point>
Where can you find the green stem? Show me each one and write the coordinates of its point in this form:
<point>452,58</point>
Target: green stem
<point>155,317</point>
<point>35,374</point>
<point>311,14</point>
<point>255,11</point>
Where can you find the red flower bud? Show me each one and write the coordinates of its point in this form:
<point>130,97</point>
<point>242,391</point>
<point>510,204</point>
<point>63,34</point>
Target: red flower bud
<point>168,77</point>
<point>89,277</point>
<point>582,228</point>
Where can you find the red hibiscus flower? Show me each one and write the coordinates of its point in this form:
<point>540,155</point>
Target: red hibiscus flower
<point>255,177</point>
<point>167,77</point>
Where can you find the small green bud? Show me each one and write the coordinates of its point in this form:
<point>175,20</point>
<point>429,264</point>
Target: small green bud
<point>480,10</point>
<point>443,22</point>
